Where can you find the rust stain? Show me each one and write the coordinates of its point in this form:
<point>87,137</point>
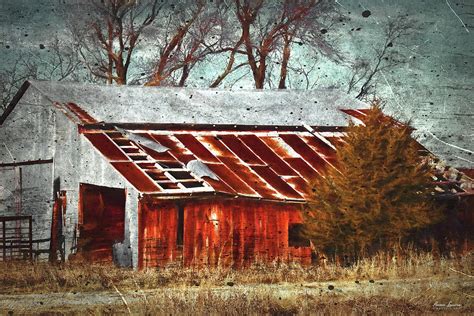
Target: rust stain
<point>240,150</point>
<point>320,147</point>
<point>305,170</point>
<point>276,182</point>
<point>300,146</point>
<point>82,115</point>
<point>245,173</point>
<point>230,180</point>
<point>197,148</point>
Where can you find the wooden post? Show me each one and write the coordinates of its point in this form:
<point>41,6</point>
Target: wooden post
<point>4,240</point>
<point>30,237</point>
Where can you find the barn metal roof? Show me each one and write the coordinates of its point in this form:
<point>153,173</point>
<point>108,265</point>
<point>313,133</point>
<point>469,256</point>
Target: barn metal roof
<point>255,162</point>
<point>263,162</point>
<point>138,104</point>
<point>447,134</point>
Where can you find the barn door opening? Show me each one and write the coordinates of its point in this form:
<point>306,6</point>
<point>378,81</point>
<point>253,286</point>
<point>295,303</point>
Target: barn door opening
<point>101,221</point>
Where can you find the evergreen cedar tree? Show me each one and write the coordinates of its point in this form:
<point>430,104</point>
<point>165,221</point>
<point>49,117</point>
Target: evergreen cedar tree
<point>382,190</point>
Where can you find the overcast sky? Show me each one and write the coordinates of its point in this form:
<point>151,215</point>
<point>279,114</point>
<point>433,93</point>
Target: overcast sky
<point>434,87</point>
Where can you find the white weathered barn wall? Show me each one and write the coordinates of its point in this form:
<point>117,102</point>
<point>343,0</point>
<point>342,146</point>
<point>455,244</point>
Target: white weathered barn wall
<point>28,132</point>
<point>8,182</point>
<point>37,130</point>
<point>27,135</point>
<point>77,161</point>
<point>36,197</point>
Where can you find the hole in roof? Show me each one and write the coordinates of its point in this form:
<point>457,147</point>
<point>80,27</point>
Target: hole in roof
<point>181,175</point>
<point>169,186</point>
<point>170,164</point>
<point>192,184</point>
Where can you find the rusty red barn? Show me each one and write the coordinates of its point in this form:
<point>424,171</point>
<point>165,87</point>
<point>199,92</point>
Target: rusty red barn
<point>241,201</point>
<point>147,177</point>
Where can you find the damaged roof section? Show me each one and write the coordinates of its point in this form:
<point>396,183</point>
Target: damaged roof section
<point>254,161</point>
<point>276,163</point>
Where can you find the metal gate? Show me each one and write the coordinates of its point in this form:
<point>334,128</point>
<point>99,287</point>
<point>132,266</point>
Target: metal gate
<point>16,241</point>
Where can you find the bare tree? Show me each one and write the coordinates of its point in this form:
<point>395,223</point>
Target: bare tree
<point>262,40</point>
<point>366,70</point>
<point>108,37</point>
<point>57,61</point>
<point>307,30</point>
<point>192,32</point>
<point>10,81</point>
<point>61,61</point>
<point>302,73</point>
<point>270,26</point>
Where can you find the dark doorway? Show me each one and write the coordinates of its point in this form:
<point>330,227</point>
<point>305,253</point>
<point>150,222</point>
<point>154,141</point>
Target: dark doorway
<point>101,221</point>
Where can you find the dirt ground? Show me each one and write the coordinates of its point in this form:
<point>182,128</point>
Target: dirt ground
<point>409,296</point>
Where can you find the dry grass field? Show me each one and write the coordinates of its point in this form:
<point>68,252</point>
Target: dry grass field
<point>418,284</point>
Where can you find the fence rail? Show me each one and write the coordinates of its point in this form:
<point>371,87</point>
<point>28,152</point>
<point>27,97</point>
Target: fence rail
<point>16,238</point>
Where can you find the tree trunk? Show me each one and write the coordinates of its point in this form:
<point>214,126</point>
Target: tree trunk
<point>284,62</point>
<point>184,76</point>
<point>261,72</point>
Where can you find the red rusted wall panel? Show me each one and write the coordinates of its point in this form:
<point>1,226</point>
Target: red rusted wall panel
<point>158,232</point>
<point>226,232</point>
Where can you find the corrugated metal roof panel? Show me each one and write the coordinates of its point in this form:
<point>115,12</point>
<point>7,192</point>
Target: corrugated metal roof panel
<point>196,147</point>
<point>265,163</point>
<point>106,146</point>
<point>308,154</point>
<point>276,165</point>
<point>267,155</point>
<point>240,150</point>
<point>136,177</point>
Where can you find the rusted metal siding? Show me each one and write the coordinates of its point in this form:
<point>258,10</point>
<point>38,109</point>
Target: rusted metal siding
<point>157,233</point>
<point>225,232</point>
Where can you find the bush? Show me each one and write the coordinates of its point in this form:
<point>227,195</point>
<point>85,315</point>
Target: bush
<point>380,190</point>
